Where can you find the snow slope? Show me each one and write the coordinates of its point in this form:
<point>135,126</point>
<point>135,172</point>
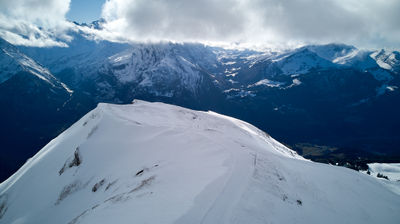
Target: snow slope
<point>389,60</point>
<point>158,163</point>
<point>331,52</point>
<point>13,61</point>
<point>301,61</point>
<point>390,170</point>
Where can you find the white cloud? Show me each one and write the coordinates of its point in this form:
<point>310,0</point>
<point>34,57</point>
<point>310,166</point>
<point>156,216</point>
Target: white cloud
<point>175,19</point>
<point>365,23</point>
<point>287,23</point>
<point>34,22</point>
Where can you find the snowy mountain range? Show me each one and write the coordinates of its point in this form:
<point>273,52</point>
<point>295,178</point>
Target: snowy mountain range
<point>331,96</point>
<point>158,163</point>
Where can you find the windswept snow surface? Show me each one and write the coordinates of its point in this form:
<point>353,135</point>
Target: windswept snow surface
<point>158,163</point>
<point>390,170</point>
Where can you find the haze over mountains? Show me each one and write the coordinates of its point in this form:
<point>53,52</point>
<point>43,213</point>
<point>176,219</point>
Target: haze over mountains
<point>331,102</point>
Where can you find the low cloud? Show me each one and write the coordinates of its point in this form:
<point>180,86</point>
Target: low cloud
<point>366,23</point>
<point>175,19</point>
<point>34,22</point>
<point>284,23</point>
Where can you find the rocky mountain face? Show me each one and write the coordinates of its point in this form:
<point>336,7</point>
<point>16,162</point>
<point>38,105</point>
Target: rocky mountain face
<point>329,102</point>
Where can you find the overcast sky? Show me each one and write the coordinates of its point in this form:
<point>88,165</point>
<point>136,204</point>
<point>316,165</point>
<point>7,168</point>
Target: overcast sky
<point>363,23</point>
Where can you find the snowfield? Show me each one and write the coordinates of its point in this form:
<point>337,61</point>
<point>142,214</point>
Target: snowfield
<point>390,170</point>
<point>158,163</point>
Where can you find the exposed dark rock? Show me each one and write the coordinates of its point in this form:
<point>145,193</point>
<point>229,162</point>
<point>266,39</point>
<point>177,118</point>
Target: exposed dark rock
<point>379,175</point>
<point>76,161</point>
<point>98,185</point>
<point>140,172</point>
<point>3,206</point>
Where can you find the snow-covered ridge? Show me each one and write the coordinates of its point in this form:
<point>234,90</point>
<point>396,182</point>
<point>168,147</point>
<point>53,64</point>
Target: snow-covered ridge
<point>13,61</point>
<point>158,163</point>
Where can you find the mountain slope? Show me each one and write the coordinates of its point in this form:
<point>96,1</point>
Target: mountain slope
<point>158,163</point>
<point>163,69</point>
<point>78,62</point>
<point>336,95</point>
<point>12,61</point>
<point>35,107</point>
<point>389,60</point>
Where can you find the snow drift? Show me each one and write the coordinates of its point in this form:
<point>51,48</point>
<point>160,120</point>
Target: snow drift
<point>158,163</point>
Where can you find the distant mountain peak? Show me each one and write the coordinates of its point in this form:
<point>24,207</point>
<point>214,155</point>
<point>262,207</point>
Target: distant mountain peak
<point>97,24</point>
